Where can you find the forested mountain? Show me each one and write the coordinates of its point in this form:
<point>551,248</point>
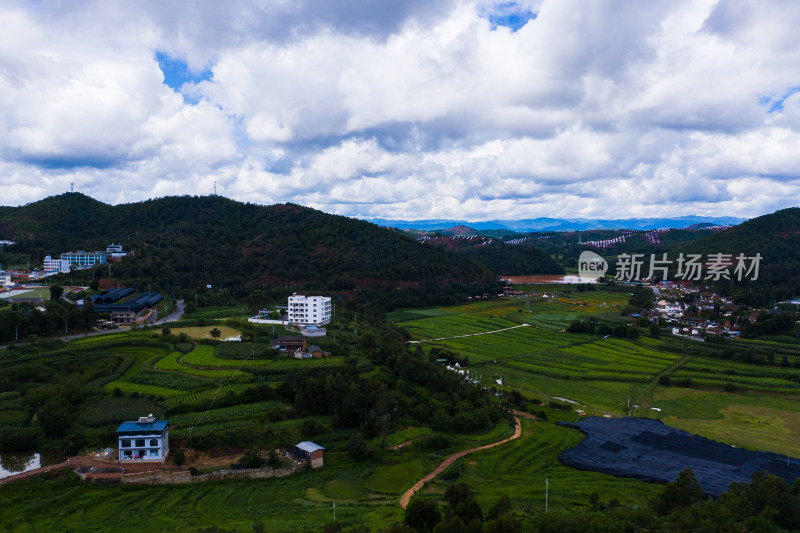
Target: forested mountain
<point>777,238</point>
<point>185,242</point>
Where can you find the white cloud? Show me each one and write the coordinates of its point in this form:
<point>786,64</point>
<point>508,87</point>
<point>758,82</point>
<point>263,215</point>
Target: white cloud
<point>412,110</point>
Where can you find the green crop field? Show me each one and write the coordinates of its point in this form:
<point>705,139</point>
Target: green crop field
<point>610,375</point>
<point>519,469</point>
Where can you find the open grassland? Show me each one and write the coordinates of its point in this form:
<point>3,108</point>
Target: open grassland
<point>757,421</point>
<point>199,332</point>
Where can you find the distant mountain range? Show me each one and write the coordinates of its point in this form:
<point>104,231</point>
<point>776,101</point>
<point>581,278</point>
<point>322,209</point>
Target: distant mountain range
<point>557,224</point>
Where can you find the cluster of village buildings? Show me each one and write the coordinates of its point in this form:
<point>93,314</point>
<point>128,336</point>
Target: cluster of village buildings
<point>69,261</point>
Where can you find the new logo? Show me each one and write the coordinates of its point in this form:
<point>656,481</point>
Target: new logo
<point>591,265</point>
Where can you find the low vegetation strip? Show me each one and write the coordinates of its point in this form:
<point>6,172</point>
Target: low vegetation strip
<point>450,460</point>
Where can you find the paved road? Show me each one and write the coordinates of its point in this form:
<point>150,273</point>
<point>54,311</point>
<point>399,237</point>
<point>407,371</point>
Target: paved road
<point>447,462</point>
<point>171,318</point>
<point>174,316</point>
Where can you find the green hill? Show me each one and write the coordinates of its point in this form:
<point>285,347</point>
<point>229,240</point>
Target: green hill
<point>777,238</point>
<point>185,242</point>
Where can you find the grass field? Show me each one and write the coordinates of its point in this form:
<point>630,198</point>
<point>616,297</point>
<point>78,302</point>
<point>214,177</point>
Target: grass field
<point>519,469</point>
<point>606,375</point>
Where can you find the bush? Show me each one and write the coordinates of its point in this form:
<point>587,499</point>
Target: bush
<point>184,347</point>
<point>358,447</point>
<point>178,457</point>
<point>18,439</point>
<point>194,471</point>
<point>252,459</point>
<point>453,472</point>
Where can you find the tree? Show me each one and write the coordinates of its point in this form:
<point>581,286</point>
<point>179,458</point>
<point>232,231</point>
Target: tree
<point>655,331</point>
<point>165,331</point>
<point>423,514</point>
<point>252,459</point>
<point>682,492</point>
<point>54,419</point>
<point>358,447</point>
<point>503,506</point>
<point>55,292</point>
<point>94,285</point>
<point>273,460</point>
<point>215,333</point>
<point>178,457</point>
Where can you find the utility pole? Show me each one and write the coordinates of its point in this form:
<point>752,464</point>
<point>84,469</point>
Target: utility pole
<point>546,491</point>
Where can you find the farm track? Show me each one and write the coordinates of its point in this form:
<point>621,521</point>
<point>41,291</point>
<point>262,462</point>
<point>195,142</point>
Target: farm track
<point>450,460</point>
<point>470,334</point>
<point>79,461</point>
<point>651,387</point>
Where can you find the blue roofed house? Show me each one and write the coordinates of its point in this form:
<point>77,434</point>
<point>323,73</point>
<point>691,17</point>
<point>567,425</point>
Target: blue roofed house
<point>146,439</point>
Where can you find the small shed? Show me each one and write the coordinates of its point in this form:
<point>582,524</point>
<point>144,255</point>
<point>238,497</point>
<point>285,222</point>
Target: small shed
<point>317,352</point>
<point>310,451</point>
<point>289,343</point>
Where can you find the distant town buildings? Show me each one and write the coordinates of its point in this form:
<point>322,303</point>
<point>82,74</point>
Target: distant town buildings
<point>84,259</point>
<point>309,310</point>
<point>55,266</point>
<point>114,252</point>
<point>5,278</point>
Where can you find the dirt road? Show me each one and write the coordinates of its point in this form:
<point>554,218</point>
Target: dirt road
<point>450,460</point>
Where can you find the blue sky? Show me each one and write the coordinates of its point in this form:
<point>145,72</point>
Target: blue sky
<point>410,109</point>
<point>177,72</point>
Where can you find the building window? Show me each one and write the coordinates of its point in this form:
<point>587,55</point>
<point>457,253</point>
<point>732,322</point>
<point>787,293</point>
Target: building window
<point>139,442</point>
<point>153,442</point>
<point>125,443</point>
<point>153,453</point>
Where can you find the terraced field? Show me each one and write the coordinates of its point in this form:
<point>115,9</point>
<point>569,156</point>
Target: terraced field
<point>613,376</point>
<point>519,469</point>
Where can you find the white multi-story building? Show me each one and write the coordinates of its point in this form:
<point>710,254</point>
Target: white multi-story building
<point>55,265</point>
<point>309,310</point>
<point>84,259</point>
<point>5,279</point>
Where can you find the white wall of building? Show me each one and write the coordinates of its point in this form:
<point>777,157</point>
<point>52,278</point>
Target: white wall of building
<point>309,310</point>
<point>55,265</point>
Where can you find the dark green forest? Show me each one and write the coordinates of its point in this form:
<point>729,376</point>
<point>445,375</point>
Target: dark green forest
<point>183,243</point>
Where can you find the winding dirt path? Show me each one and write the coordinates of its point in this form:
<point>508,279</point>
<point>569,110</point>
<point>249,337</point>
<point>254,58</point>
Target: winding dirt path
<point>450,460</point>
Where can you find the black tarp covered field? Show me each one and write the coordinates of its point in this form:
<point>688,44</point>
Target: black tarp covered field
<point>646,449</point>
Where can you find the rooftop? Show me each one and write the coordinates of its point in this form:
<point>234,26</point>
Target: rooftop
<point>308,446</point>
<point>154,426</point>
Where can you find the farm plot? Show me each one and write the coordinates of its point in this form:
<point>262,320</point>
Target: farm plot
<point>172,363</point>
<point>207,395</point>
<point>455,325</point>
<point>738,375</point>
<point>226,413</point>
<point>521,466</point>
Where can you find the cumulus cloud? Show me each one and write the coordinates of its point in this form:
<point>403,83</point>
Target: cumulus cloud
<point>463,108</point>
